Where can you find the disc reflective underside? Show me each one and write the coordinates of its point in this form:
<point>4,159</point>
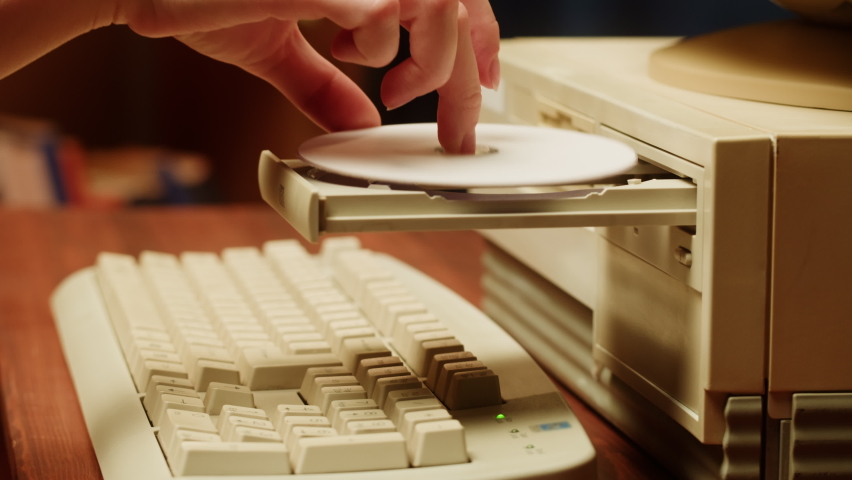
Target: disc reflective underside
<point>516,156</point>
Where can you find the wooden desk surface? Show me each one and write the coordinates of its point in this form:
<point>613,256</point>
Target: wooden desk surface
<point>43,428</point>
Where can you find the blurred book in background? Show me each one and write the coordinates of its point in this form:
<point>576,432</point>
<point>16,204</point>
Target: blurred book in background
<point>27,175</point>
<point>41,167</point>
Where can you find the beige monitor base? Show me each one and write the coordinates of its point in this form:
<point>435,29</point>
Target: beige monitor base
<point>788,62</point>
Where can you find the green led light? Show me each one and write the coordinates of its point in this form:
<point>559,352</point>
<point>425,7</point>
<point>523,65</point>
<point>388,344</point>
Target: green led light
<point>500,416</point>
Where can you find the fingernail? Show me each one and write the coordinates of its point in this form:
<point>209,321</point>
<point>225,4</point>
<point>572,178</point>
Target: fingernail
<point>468,145</point>
<point>392,103</point>
<point>494,71</point>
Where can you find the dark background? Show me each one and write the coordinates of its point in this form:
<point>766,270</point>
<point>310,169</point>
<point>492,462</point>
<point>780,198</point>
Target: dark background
<point>111,87</point>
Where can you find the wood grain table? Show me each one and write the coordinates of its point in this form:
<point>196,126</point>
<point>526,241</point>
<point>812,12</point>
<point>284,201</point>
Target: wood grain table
<point>43,429</point>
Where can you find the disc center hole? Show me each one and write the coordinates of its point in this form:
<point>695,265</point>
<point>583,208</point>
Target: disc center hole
<point>480,150</point>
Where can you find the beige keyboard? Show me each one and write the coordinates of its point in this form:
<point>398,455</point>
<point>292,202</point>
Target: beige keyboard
<point>273,361</point>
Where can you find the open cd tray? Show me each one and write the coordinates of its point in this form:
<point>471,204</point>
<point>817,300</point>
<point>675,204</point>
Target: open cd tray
<point>316,202</point>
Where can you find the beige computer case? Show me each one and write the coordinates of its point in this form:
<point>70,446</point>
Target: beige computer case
<point>697,335</point>
<point>702,305</point>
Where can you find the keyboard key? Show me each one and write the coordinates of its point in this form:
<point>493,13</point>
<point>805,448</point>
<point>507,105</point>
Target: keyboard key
<point>315,390</point>
<point>159,356</point>
<point>311,374</point>
<point>377,362</point>
<point>438,347</point>
<point>480,388</point>
<point>138,345</point>
<point>296,317</point>
<point>289,423</point>
<point>364,427</point>
<point>392,312</point>
<point>375,286</point>
<point>157,259</point>
<point>326,311</point>
<point>438,362</point>
<point>331,247</point>
<point>336,337</point>
<point>284,249</point>
<point>412,419</point>
<point>381,305</point>
<point>314,296</point>
<point>437,443</point>
<point>374,374</point>
<point>209,371</point>
<point>249,434</point>
<point>324,320</point>
<point>233,410</point>
<point>233,309</point>
<point>189,337</point>
<point>350,453</point>
<point>450,369</point>
<point>175,402</point>
<point>354,350</point>
<point>339,422</point>
<point>389,384</point>
<point>285,411</point>
<point>220,394</point>
<point>279,330</point>
<point>229,426</point>
<point>189,436</point>
<point>397,408</point>
<point>176,420</point>
<point>365,282</point>
<point>168,381</point>
<point>286,339</point>
<point>193,353</point>
<point>231,458</point>
<point>298,433</point>
<point>155,391</point>
<point>144,334</point>
<point>283,306</point>
<point>268,369</point>
<point>403,336</point>
<point>414,352</point>
<point>334,394</point>
<point>151,368</point>
<point>347,323</point>
<point>232,338</point>
<point>242,345</point>
<point>247,325</point>
<point>305,348</point>
<point>404,321</point>
<point>346,405</point>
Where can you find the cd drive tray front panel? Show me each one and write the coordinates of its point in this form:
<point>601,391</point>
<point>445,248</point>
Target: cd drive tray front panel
<point>334,205</point>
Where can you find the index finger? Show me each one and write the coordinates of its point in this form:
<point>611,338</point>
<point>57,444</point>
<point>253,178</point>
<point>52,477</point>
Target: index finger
<point>461,97</point>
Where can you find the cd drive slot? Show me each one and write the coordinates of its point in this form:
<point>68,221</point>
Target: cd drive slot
<point>316,203</point>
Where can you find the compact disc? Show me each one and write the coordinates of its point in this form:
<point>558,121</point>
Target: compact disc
<point>507,156</point>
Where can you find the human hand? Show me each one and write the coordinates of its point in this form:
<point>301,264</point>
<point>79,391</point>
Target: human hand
<point>453,46</point>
